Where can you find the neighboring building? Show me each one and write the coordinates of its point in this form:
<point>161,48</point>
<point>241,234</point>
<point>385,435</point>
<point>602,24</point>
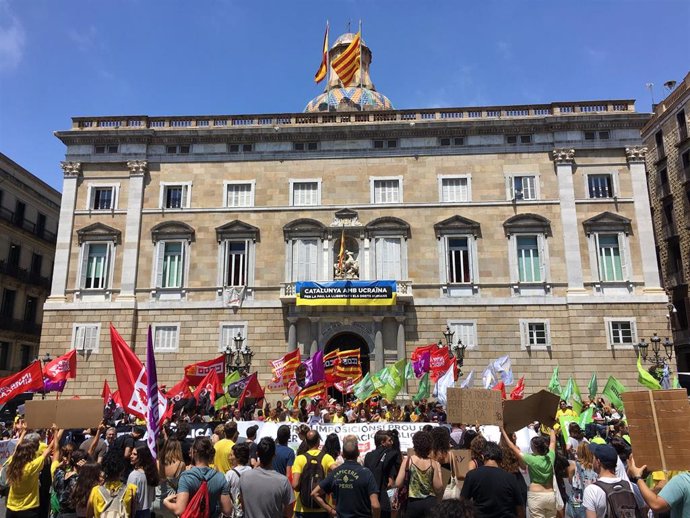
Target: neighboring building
<point>668,174</point>
<point>29,212</point>
<point>526,229</point>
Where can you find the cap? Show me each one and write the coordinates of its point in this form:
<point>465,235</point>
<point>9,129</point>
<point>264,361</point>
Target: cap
<point>332,400</point>
<point>604,452</point>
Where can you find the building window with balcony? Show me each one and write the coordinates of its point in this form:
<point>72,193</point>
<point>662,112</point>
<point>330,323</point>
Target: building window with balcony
<point>30,309</point>
<point>522,187</point>
<point>239,194</point>
<point>170,267</point>
<point>607,235</point>
<point>304,193</point>
<point>386,190</point>
<point>387,251</point>
<point>228,332</point>
<point>305,246</point>
<point>528,255</point>
<point>454,189</point>
<point>172,240</point>
<point>26,355</point>
<point>85,337</point>
<point>389,237</point>
<point>620,332</point>
<point>457,238</point>
<point>95,266</point>
<point>530,265</point>
<point>236,242</point>
<point>305,259</point>
<point>535,334</point>
<point>166,337</point>
<point>7,308</point>
<point>659,140</point>
<point>682,125</point>
<point>175,195</point>
<point>609,255</point>
<point>102,197</point>
<point>600,186</point>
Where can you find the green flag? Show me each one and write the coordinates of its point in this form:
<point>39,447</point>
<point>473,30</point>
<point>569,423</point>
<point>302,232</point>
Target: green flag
<point>554,385</point>
<point>567,390</point>
<point>405,369</point>
<point>675,384</point>
<point>644,378</point>
<point>225,399</point>
<point>592,387</point>
<point>586,417</point>
<point>576,397</point>
<point>364,388</point>
<point>424,390</point>
<point>388,382</point>
<point>613,391</point>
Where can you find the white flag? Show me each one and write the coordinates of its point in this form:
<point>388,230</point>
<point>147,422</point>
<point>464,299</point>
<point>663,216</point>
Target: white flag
<point>445,381</point>
<point>489,377</point>
<point>469,380</point>
<point>503,369</point>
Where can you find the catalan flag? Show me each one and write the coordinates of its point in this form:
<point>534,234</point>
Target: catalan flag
<point>323,69</point>
<point>347,63</point>
<point>330,364</point>
<point>285,367</point>
<point>349,364</point>
<point>341,254</point>
<point>312,391</point>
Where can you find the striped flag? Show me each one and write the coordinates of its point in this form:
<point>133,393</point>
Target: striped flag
<point>330,367</point>
<point>349,364</point>
<point>347,63</point>
<point>285,367</point>
<point>323,69</point>
<point>312,391</point>
<point>152,411</point>
<point>341,254</point>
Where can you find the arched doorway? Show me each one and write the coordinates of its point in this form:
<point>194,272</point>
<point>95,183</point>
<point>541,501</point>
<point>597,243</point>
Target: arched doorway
<point>346,341</point>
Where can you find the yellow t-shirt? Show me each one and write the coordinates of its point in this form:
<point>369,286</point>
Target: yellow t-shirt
<point>221,460</point>
<point>24,495</point>
<point>53,468</point>
<point>97,501</point>
<point>337,420</point>
<point>298,466</point>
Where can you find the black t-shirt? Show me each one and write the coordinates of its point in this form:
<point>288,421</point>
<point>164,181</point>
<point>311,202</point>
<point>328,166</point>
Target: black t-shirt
<point>122,443</point>
<point>382,462</point>
<point>494,491</point>
<point>351,486</point>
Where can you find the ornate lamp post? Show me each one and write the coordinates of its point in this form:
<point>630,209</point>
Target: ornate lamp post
<point>239,357</point>
<point>45,360</point>
<point>457,350</point>
<point>658,360</point>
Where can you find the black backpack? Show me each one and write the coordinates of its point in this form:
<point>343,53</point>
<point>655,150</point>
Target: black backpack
<point>620,500</point>
<point>311,475</point>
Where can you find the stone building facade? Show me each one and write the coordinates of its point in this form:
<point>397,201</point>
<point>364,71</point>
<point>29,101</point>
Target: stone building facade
<point>526,229</point>
<point>28,224</point>
<point>668,174</point>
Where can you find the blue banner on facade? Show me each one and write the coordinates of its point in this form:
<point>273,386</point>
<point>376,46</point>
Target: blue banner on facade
<point>346,293</point>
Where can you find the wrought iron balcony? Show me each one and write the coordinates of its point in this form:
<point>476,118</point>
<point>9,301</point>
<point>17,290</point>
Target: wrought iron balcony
<point>24,275</point>
<point>29,226</point>
<point>19,326</point>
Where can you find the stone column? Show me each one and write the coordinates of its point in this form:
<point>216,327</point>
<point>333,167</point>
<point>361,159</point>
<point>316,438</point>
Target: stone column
<point>314,335</point>
<point>72,177</point>
<point>379,360</point>
<point>130,250</point>
<point>643,218</point>
<point>292,334</point>
<point>564,160</point>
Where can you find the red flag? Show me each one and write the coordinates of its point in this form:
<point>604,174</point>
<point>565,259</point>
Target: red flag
<point>209,385</point>
<point>501,387</point>
<point>179,391</point>
<point>285,367</point>
<point>330,364</point>
<point>27,380</point>
<point>117,398</point>
<point>196,372</point>
<point>421,351</point>
<point>519,391</point>
<point>106,394</point>
<point>439,362</point>
<point>251,390</point>
<point>62,367</point>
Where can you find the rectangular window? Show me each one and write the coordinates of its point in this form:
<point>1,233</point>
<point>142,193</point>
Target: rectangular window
<point>388,263</point>
<point>27,355</point>
<point>306,146</point>
<point>466,332</point>
<point>40,224</point>
<point>604,135</point>
<point>305,194</point>
<point>85,337</point>
<point>36,264</point>
<point>621,332</point>
<point>175,196</point>
<point>523,188</point>
<point>166,337</point>
<point>536,334</point>
<point>7,308</point>
<point>172,264</point>
<point>102,198</point>
<point>659,139</point>
<point>14,255</point>
<point>228,333</point>
<point>30,309</point>
<point>239,195</point>
<point>454,141</point>
<point>19,212</point>
<point>529,262</point>
<point>95,266</point>
<point>610,265</point>
<point>304,259</point>
<point>454,190</point>
<point>385,144</point>
<point>387,191</point>
<point>100,149</point>
<point>182,149</point>
<point>236,263</point>
<point>590,135</point>
<point>682,125</point>
<point>4,355</point>
<point>600,185</point>
<point>459,267</point>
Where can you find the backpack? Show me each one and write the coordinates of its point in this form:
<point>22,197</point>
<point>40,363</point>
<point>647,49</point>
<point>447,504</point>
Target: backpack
<point>114,502</point>
<point>312,474</point>
<point>620,500</point>
<point>198,506</point>
<point>237,511</point>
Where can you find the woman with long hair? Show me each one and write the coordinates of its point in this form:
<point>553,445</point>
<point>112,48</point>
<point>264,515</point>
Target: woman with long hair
<point>332,447</point>
<point>23,471</point>
<point>113,489</point>
<point>171,465</point>
<point>145,478</point>
<point>425,482</point>
<point>89,477</point>
<point>440,446</point>
<point>512,464</point>
<point>477,445</point>
<point>65,479</point>
<point>581,474</point>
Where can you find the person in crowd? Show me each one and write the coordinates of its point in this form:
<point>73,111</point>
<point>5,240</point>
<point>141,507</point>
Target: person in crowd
<point>511,463</point>
<point>456,432</point>
<point>23,469</point>
<point>302,435</point>
<point>477,447</point>
<point>541,499</point>
<point>264,492</point>
<point>440,446</point>
<point>113,492</point>
<point>240,461</point>
<point>381,461</point>
<point>494,492</point>
<point>576,437</point>
<point>64,481</point>
<point>126,443</point>
<point>284,456</point>
<point>673,498</point>
<point>251,442</point>
<point>581,474</point>
<point>145,477</point>
<point>94,444</point>
<point>182,435</point>
<point>313,454</point>
<point>89,477</point>
<point>223,447</point>
<point>190,482</point>
<point>332,447</point>
<point>594,497</point>
<point>338,417</point>
<point>425,482</point>
<point>170,466</point>
<point>453,508</point>
<point>353,487</point>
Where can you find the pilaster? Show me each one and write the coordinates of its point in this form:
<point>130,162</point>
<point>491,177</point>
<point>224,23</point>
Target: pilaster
<point>130,249</point>
<point>379,360</point>
<point>292,333</point>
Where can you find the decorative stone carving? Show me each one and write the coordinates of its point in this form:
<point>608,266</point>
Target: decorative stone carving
<point>349,269</point>
<point>71,169</point>
<point>137,167</point>
<point>563,155</point>
<point>346,218</point>
<point>636,154</point>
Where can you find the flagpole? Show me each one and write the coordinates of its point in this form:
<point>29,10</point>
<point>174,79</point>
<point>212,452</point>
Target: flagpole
<point>361,94</point>
<point>328,65</point>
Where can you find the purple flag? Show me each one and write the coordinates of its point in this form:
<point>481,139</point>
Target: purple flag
<point>53,386</point>
<point>315,370</point>
<point>421,366</point>
<point>152,414</point>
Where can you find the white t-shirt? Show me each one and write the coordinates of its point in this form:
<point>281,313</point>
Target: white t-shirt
<point>594,498</point>
<point>234,479</point>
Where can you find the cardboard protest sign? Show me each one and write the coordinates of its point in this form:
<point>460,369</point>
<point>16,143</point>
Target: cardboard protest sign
<point>462,462</point>
<point>471,406</point>
<point>65,413</point>
<point>657,420</point>
<point>541,407</point>
<point>40,413</point>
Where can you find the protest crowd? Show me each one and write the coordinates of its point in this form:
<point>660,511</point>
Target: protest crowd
<point>226,452</point>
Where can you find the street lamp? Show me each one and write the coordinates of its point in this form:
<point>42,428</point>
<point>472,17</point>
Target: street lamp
<point>45,360</point>
<point>239,357</point>
<point>657,360</point>
<point>457,350</point>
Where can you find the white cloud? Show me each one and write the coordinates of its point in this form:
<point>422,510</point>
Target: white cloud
<point>12,39</point>
<point>84,39</point>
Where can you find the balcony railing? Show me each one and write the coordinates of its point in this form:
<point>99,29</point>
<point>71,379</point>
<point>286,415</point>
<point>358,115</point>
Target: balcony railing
<point>403,291</point>
<point>19,326</point>
<point>669,230</point>
<point>29,226</point>
<point>24,275</point>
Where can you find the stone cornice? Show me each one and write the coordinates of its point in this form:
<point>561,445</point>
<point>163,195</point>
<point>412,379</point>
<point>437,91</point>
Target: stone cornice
<point>71,169</point>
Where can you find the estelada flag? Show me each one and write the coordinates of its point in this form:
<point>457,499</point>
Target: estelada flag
<point>131,378</point>
<point>180,391</point>
<point>349,364</point>
<point>62,367</point>
<point>251,390</point>
<point>323,69</point>
<point>209,386</point>
<point>519,391</point>
<point>196,372</point>
<point>312,391</point>
<point>285,367</point>
<point>347,63</point>
<point>27,380</point>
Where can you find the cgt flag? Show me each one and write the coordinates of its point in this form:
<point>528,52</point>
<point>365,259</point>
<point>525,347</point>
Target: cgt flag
<point>196,372</point>
<point>62,367</point>
<point>208,388</point>
<point>27,380</point>
<point>519,391</point>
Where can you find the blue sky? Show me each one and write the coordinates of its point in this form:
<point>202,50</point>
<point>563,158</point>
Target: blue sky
<point>63,58</point>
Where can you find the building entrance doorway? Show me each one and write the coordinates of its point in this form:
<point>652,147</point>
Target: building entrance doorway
<point>347,341</point>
